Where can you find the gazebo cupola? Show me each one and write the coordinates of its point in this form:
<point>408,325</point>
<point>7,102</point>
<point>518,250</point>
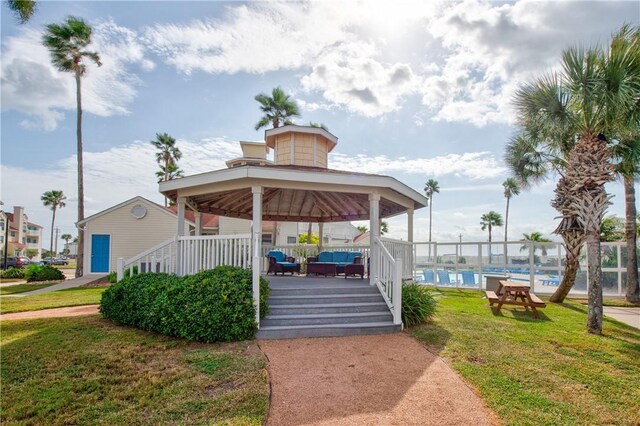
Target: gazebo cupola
<point>300,145</point>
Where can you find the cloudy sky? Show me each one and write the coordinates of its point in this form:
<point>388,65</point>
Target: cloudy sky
<point>414,90</point>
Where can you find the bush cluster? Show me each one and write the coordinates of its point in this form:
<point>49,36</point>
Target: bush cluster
<point>113,276</point>
<point>210,306</point>
<point>12,273</point>
<point>418,304</point>
<point>42,273</point>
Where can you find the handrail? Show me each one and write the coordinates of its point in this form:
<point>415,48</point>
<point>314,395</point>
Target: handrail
<point>213,237</point>
<point>150,251</point>
<point>388,278</point>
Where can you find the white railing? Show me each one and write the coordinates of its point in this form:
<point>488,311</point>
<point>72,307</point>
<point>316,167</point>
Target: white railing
<point>208,251</point>
<point>387,275</point>
<point>161,258</point>
<point>188,255</point>
<point>401,250</point>
<point>468,264</point>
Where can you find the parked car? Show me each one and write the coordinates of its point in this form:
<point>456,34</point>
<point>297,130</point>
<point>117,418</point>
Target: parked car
<point>60,261</point>
<point>14,262</point>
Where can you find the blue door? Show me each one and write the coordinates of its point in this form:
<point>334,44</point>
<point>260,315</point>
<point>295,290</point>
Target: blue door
<point>100,252</point>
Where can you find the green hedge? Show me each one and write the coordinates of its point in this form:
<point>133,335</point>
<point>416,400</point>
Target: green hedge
<point>210,306</point>
<point>12,273</point>
<point>42,273</point>
<point>418,304</point>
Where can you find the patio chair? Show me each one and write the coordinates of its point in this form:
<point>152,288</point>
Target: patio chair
<point>468,278</point>
<point>443,277</point>
<point>279,262</point>
<point>428,276</point>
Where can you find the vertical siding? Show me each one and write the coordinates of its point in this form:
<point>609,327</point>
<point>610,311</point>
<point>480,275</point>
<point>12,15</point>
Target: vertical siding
<point>129,236</point>
<point>229,225</point>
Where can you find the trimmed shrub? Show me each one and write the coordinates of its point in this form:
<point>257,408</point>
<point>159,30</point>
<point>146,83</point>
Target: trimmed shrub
<point>12,273</point>
<point>418,304</point>
<point>112,277</point>
<point>42,273</point>
<point>210,306</point>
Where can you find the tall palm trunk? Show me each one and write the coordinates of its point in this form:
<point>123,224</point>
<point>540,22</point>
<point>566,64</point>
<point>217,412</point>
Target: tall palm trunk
<point>430,215</point>
<point>506,221</point>
<point>53,221</point>
<point>573,241</point>
<point>630,229</point>
<point>166,169</point>
<point>594,272</point>
<point>80,255</point>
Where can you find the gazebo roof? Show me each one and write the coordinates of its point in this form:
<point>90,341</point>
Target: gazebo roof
<point>293,193</point>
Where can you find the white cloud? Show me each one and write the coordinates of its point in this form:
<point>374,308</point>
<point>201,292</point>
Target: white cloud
<point>473,165</point>
<point>464,59</point>
<point>31,85</point>
<point>110,177</point>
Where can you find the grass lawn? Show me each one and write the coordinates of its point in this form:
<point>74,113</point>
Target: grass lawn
<point>608,301</point>
<point>21,288</point>
<point>54,299</point>
<point>539,372</point>
<point>86,370</point>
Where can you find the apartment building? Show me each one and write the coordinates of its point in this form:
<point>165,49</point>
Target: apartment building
<point>24,238</point>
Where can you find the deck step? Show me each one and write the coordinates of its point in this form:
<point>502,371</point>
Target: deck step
<point>323,298</point>
<point>328,308</point>
<point>337,319</point>
<point>327,330</point>
<point>300,291</point>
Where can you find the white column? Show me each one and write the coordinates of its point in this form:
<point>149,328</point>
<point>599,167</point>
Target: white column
<point>374,232</point>
<point>181,210</point>
<point>410,225</point>
<point>180,233</point>
<point>257,247</point>
<point>198,230</point>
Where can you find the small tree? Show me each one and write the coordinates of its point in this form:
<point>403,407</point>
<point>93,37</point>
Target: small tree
<point>362,228</point>
<point>55,200</point>
<point>488,221</point>
<point>384,227</point>
<point>304,239</point>
<point>277,108</point>
<point>31,253</point>
<point>430,188</point>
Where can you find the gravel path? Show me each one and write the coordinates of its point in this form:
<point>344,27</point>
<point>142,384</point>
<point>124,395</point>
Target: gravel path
<point>367,380</point>
<point>71,311</point>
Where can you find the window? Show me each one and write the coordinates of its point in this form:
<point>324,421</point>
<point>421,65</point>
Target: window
<point>292,240</point>
<point>13,234</point>
<point>2,224</point>
<point>267,239</point>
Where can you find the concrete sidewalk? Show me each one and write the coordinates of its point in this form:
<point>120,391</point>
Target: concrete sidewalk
<point>70,311</point>
<point>629,316</point>
<point>75,282</point>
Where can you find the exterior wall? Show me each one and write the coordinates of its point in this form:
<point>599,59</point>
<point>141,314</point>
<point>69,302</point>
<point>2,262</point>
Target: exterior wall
<point>253,151</point>
<point>282,154</point>
<point>303,155</point>
<point>129,236</point>
<point>333,232</point>
<point>321,152</point>
<point>23,237</point>
<point>230,225</point>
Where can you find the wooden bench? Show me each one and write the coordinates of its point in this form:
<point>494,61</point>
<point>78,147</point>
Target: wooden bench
<point>491,295</point>
<point>537,302</point>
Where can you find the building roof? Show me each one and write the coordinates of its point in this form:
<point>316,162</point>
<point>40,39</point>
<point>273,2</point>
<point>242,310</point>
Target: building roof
<point>270,134</point>
<point>35,224</point>
<point>293,193</point>
<point>211,221</point>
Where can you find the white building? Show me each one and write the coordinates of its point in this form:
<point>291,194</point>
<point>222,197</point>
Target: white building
<point>24,237</point>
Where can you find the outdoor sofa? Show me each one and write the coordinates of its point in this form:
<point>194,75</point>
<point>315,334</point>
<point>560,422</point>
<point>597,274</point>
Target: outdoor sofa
<point>279,262</point>
<point>334,263</point>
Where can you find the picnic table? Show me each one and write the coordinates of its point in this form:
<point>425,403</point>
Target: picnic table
<point>512,293</point>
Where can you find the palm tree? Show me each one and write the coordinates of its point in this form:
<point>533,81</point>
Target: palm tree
<point>54,199</point>
<point>384,227</point>
<point>319,125</point>
<point>511,188</point>
<point>596,92</point>
<point>67,44</point>
<point>66,238</point>
<point>167,156</point>
<point>489,220</point>
<point>430,188</point>
<point>277,108</point>
<point>362,228</point>
<point>23,9</point>
<point>535,237</point>
<point>168,173</point>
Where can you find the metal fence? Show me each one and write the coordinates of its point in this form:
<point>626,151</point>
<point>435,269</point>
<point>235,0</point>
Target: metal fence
<point>469,265</point>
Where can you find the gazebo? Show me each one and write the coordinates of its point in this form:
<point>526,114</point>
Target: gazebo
<point>297,187</point>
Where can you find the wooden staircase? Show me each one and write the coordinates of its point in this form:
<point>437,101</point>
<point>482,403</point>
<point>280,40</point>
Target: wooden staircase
<point>318,307</point>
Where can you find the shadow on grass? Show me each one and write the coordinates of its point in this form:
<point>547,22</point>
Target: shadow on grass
<point>521,314</point>
<point>433,336</point>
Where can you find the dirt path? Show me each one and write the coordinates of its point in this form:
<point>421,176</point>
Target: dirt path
<point>71,311</point>
<point>367,380</point>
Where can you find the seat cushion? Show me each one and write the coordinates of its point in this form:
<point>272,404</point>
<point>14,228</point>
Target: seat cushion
<point>277,255</point>
<point>353,255</point>
<point>325,256</point>
<point>340,256</point>
<point>288,264</point>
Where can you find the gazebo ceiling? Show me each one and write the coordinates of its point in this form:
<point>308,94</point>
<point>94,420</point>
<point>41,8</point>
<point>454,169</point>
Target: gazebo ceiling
<point>293,205</point>
<point>293,194</point>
